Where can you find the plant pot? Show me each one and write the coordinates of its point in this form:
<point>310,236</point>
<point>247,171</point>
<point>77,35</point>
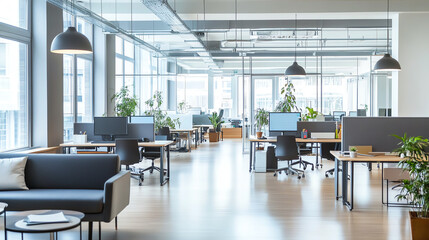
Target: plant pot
<point>353,154</point>
<point>419,227</point>
<point>213,137</point>
<point>259,134</point>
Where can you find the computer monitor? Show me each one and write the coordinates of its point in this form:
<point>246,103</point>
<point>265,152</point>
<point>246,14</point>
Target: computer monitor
<point>284,122</point>
<point>353,113</point>
<point>142,119</point>
<point>338,114</point>
<point>361,112</point>
<point>109,127</point>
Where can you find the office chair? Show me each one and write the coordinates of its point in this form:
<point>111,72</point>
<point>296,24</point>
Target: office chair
<point>153,153</point>
<point>302,162</point>
<point>128,152</point>
<point>287,150</point>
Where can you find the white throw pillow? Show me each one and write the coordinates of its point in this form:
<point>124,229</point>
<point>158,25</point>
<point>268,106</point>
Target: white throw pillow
<point>12,175</point>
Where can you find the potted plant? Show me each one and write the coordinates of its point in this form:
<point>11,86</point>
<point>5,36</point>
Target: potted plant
<point>288,103</point>
<point>311,114</point>
<point>216,121</point>
<point>181,107</point>
<point>416,189</point>
<point>353,152</point>
<point>125,104</point>
<point>153,105</point>
<point>261,118</point>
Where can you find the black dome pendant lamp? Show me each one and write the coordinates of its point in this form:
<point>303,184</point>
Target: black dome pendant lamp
<point>387,62</point>
<point>71,42</point>
<point>295,69</point>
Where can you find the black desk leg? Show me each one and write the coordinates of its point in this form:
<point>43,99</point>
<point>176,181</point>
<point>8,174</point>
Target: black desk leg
<point>4,219</point>
<point>250,156</point>
<point>352,179</point>
<point>161,159</point>
<point>168,162</point>
<point>336,179</point>
<point>344,182</point>
<point>382,183</point>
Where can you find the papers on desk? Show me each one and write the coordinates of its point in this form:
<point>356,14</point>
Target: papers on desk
<point>46,219</point>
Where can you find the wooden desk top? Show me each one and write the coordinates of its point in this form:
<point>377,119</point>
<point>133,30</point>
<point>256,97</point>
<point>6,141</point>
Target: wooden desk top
<point>298,140</point>
<point>209,126</point>
<point>141,144</point>
<point>381,158</point>
<point>182,130</point>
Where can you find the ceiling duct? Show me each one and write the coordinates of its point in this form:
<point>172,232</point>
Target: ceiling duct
<point>165,13</point>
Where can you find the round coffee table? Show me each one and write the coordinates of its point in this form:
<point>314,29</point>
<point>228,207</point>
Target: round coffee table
<point>15,223</point>
<point>3,207</point>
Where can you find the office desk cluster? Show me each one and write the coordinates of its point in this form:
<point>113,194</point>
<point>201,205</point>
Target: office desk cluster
<point>164,147</point>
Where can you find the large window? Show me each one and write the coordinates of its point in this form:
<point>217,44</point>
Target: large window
<point>78,82</point>
<point>14,13</point>
<point>13,95</point>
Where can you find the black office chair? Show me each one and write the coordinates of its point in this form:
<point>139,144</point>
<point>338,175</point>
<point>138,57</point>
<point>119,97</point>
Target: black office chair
<point>128,151</point>
<point>153,153</point>
<point>302,148</point>
<point>287,150</point>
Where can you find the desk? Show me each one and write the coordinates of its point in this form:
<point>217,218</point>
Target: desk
<point>189,133</point>
<point>163,145</point>
<point>345,160</point>
<point>254,140</point>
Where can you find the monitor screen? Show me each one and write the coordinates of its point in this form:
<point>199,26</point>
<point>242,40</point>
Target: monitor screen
<point>284,122</point>
<point>110,126</point>
<point>142,119</point>
<point>338,114</point>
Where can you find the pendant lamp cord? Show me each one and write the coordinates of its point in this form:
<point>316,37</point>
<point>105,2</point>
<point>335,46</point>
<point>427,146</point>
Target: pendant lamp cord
<point>236,25</point>
<point>296,20</point>
<point>387,26</point>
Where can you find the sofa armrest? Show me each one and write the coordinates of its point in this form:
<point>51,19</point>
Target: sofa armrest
<point>116,195</point>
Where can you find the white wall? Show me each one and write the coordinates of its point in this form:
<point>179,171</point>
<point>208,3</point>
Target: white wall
<point>410,87</point>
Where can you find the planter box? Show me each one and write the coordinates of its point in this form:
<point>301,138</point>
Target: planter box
<point>232,132</point>
<point>213,137</point>
<point>419,227</point>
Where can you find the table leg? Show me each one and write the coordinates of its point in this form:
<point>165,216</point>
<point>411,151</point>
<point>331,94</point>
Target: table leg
<point>4,219</point>
<point>80,231</point>
<point>336,179</point>
<point>51,236</point>
<point>382,183</point>
<point>344,182</point>
<point>161,160</point>
<point>250,156</point>
<point>351,184</point>
<point>189,142</point>
<point>168,162</point>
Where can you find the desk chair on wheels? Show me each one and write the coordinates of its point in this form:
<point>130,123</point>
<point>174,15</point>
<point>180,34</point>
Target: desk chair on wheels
<point>128,152</point>
<point>287,150</point>
<point>302,162</point>
<point>153,153</point>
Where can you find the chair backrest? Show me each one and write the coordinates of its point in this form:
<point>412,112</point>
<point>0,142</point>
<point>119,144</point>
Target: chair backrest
<point>128,151</point>
<point>286,148</point>
<point>164,131</point>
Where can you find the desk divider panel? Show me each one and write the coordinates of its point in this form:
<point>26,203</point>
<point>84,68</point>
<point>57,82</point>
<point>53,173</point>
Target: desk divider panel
<point>328,126</point>
<point>135,130</point>
<point>378,131</point>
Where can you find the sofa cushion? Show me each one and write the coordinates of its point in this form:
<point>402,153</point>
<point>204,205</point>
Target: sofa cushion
<point>12,173</point>
<point>86,200</point>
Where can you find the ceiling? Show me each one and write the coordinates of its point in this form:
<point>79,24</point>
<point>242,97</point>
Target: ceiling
<point>264,30</point>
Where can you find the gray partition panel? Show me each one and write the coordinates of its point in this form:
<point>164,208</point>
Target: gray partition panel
<point>88,128</point>
<point>316,126</point>
<point>201,120</point>
<point>140,131</point>
<point>135,130</point>
<point>377,131</point>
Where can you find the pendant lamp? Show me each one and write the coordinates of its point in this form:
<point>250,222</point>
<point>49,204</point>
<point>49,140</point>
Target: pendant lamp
<point>295,69</point>
<point>71,42</point>
<point>387,62</point>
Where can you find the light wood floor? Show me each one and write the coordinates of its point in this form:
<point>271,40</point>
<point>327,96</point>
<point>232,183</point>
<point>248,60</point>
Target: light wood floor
<point>213,196</point>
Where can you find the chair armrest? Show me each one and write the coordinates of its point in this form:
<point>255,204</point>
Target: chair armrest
<point>116,195</point>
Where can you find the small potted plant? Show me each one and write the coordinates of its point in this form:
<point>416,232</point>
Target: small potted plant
<point>311,114</point>
<point>353,152</point>
<point>261,118</point>
<point>216,122</point>
<point>416,189</point>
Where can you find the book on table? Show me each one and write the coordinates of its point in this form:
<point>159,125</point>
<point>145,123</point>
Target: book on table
<point>34,219</point>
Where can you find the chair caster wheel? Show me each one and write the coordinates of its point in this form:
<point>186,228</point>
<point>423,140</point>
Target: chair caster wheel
<point>332,173</point>
<point>326,175</point>
<point>280,172</point>
<point>303,175</point>
<point>312,168</point>
<point>275,174</point>
<point>305,167</point>
<point>299,177</point>
<point>293,173</point>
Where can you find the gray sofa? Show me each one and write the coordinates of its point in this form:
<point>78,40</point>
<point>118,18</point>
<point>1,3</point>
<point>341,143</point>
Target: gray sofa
<point>92,184</point>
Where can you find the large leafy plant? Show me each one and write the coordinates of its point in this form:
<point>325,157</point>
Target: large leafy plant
<point>216,121</point>
<point>261,118</point>
<point>154,109</point>
<point>125,104</point>
<point>288,103</point>
<point>416,189</point>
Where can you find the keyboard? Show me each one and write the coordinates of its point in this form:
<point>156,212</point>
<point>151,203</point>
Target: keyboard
<point>102,141</point>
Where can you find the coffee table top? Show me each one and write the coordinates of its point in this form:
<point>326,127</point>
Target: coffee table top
<point>15,222</point>
<point>3,206</point>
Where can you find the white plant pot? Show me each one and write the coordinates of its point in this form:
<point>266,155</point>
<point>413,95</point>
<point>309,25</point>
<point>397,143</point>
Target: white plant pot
<point>353,154</point>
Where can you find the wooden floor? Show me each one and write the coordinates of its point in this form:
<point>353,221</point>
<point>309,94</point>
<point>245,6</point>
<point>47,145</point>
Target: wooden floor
<point>212,195</point>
